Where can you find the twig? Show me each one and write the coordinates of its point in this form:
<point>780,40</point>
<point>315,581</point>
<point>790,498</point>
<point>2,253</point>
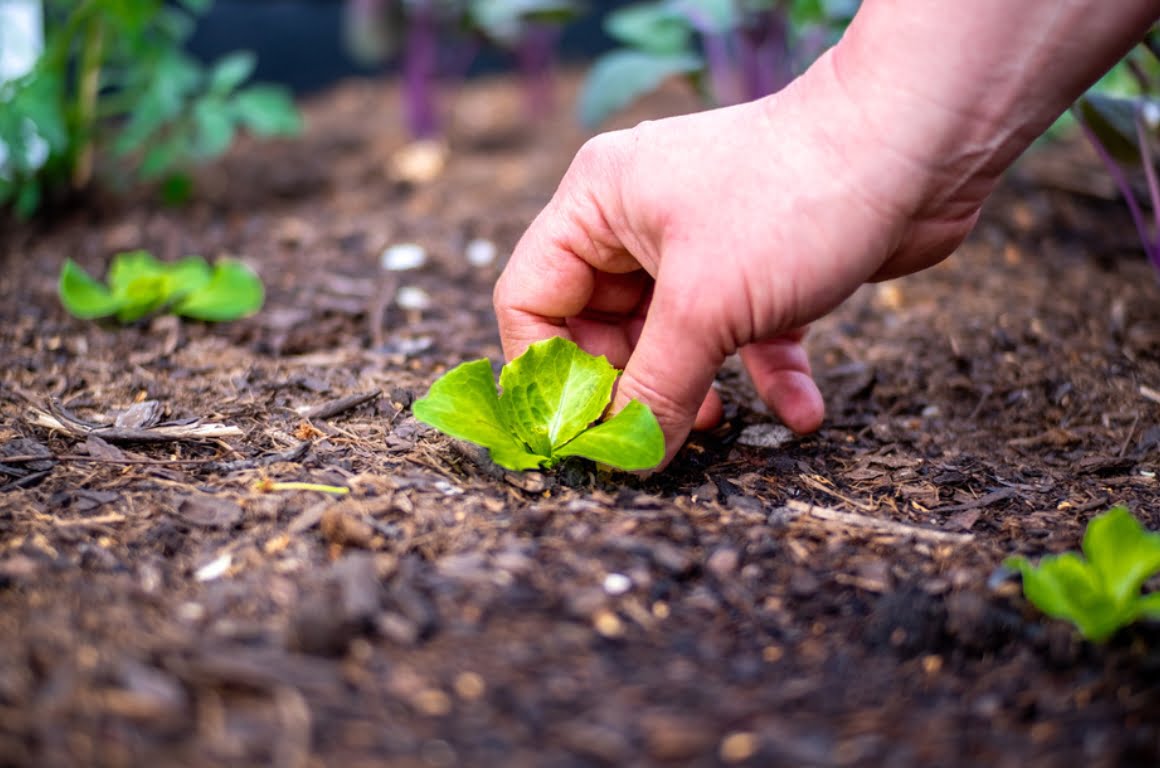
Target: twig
<point>101,460</point>
<point>335,407</point>
<point>819,485</point>
<point>1149,393</point>
<point>985,500</point>
<point>801,510</point>
<point>160,434</point>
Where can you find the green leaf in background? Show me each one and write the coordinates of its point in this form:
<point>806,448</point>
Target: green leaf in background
<point>464,403</point>
<point>1113,120</point>
<point>83,296</point>
<point>267,110</point>
<point>230,72</point>
<point>232,291</point>
<point>214,127</point>
<point>620,77</point>
<point>1101,593</point>
<point>551,394</point>
<point>651,27</point>
<point>630,440</point>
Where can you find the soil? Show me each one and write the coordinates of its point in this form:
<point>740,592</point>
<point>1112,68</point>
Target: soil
<point>163,602</point>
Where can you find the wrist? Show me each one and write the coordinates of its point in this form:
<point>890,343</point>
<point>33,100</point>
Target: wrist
<point>959,90</point>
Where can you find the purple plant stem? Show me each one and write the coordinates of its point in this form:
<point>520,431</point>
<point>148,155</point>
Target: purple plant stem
<point>722,77</point>
<point>764,55</point>
<point>1121,181</point>
<point>1152,246</point>
<point>420,68</point>
<point>535,54</point>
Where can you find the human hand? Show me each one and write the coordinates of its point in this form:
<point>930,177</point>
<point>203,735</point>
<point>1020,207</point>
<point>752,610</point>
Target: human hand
<point>670,246</point>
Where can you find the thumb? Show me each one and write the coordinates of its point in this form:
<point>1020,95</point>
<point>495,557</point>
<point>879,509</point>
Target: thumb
<point>671,370</point>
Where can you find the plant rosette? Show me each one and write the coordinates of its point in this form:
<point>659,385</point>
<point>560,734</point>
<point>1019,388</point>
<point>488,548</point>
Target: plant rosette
<point>140,285</point>
<point>553,397</point>
<point>1099,592</point>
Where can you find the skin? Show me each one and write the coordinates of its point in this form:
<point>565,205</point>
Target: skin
<point>672,245</point>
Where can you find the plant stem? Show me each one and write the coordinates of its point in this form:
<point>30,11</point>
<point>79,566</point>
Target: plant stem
<point>1124,186</point>
<point>420,68</point>
<point>88,89</point>
<point>764,51</point>
<point>535,53</point>
<point>1152,245</point>
<point>722,77</point>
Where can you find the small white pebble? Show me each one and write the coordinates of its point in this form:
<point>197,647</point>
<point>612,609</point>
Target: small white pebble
<point>617,584</point>
<point>404,256</point>
<point>1150,112</point>
<point>931,412</point>
<point>191,612</point>
<point>480,252</point>
<point>412,298</point>
<point>765,436</point>
<point>215,568</point>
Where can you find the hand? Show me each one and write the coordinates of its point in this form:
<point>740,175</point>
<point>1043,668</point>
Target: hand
<point>673,245</point>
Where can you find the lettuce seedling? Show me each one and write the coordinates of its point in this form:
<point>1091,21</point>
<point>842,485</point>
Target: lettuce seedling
<point>140,285</point>
<point>1101,593</point>
<point>552,396</point>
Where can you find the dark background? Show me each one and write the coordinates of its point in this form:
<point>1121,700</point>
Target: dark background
<point>299,42</point>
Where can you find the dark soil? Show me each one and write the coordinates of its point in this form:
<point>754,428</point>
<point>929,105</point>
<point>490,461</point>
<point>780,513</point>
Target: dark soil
<point>162,603</point>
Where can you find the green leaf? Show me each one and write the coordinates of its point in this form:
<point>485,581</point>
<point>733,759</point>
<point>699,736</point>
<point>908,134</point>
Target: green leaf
<point>142,295</point>
<point>464,403</point>
<point>1122,552</point>
<point>128,266</point>
<point>620,77</point>
<point>83,296</point>
<point>1113,120</point>
<point>189,275</point>
<point>551,393</point>
<point>230,72</point>
<point>231,291</point>
<point>651,27</point>
<point>630,440</point>
<point>267,110</point>
<point>215,127</point>
<point>1066,587</point>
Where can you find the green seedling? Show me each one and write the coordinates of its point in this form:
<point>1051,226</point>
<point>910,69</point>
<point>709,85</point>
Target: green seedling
<point>140,285</point>
<point>1099,592</point>
<point>553,395</point>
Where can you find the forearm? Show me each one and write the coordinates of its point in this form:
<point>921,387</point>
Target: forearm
<point>965,87</point>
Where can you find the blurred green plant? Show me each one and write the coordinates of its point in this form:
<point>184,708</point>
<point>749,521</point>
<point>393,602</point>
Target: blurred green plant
<point>734,50</point>
<point>379,30</point>
<point>1100,591</point>
<point>141,285</point>
<point>113,78</point>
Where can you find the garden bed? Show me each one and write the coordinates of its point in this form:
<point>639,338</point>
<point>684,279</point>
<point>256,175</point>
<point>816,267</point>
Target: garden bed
<point>836,600</point>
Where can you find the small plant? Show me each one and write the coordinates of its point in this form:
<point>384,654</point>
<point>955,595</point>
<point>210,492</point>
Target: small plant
<point>140,285</point>
<point>377,30</point>
<point>1121,119</point>
<point>114,77</point>
<point>1101,593</point>
<point>552,396</point>
<point>748,48</point>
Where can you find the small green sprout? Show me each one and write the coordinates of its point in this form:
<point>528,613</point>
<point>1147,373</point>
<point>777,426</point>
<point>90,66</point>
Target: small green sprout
<point>140,285</point>
<point>552,395</point>
<point>1101,593</point>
